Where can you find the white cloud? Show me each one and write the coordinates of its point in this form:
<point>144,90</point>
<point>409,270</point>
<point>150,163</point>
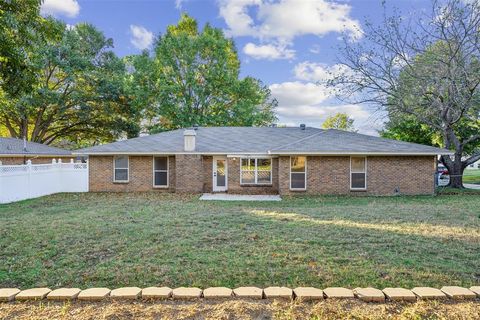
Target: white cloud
<point>307,102</point>
<point>69,8</point>
<point>312,71</point>
<point>286,19</point>
<point>178,4</point>
<point>141,37</point>
<point>291,94</point>
<point>268,51</point>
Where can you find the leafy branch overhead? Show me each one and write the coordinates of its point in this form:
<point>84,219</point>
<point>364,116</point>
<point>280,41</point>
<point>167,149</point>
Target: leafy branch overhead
<point>197,80</point>
<point>75,90</point>
<point>425,73</point>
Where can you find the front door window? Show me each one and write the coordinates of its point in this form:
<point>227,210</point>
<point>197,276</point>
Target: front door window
<point>219,174</point>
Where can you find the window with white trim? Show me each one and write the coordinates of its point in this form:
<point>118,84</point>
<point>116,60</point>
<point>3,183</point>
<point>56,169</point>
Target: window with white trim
<point>160,172</point>
<point>358,173</point>
<point>298,173</point>
<point>256,171</point>
<point>120,170</point>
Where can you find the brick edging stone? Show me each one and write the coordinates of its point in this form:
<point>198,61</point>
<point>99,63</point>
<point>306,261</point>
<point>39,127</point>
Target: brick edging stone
<point>185,293</point>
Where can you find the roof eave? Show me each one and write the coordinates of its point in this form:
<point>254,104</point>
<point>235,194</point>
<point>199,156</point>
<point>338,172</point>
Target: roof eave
<point>329,153</point>
<point>34,155</point>
<point>346,153</point>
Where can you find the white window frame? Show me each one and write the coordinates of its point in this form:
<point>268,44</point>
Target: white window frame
<point>255,171</point>
<point>364,172</point>
<point>128,169</point>
<point>305,172</point>
<point>167,171</point>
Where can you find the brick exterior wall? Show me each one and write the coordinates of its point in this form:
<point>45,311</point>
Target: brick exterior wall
<point>140,175</point>
<point>10,161</point>
<point>411,175</point>
<point>234,185</point>
<point>325,175</point>
<point>385,174</point>
<point>207,174</point>
<point>189,173</point>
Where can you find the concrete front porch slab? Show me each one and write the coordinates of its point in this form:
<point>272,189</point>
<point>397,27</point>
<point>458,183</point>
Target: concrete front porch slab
<point>8,294</point>
<point>239,197</point>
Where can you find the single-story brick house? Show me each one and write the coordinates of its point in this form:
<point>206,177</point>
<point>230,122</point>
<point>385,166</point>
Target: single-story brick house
<point>16,151</point>
<point>263,160</point>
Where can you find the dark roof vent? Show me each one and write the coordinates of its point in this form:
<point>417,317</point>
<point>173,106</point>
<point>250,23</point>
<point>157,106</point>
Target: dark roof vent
<point>195,127</point>
<point>303,126</point>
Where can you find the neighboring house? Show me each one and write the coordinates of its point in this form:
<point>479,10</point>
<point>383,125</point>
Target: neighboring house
<point>263,160</point>
<point>475,165</point>
<point>16,151</point>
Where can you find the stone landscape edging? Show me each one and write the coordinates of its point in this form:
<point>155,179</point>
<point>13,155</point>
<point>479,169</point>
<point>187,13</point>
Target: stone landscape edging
<point>191,293</point>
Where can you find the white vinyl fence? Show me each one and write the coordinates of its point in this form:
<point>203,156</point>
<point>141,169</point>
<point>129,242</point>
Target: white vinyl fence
<point>35,180</point>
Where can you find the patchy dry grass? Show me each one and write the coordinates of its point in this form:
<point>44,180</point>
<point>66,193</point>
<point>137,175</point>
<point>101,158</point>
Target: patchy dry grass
<point>82,240</point>
<point>243,309</point>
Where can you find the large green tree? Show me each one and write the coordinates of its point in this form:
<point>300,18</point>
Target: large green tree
<point>80,92</point>
<point>21,26</point>
<point>424,71</point>
<point>197,81</point>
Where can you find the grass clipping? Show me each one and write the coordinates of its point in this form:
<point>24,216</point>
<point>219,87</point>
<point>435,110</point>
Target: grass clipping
<point>242,309</point>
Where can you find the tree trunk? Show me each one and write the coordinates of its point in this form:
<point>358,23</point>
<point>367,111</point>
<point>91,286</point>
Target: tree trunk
<point>455,171</point>
<point>456,181</point>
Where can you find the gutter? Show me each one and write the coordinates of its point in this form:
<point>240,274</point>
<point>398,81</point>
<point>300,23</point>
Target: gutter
<point>269,152</point>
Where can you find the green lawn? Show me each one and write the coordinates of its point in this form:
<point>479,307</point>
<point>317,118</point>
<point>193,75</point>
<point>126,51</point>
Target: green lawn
<point>151,239</point>
<point>471,176</point>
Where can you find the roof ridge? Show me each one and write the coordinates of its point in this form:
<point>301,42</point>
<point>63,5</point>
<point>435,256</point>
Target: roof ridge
<point>299,140</point>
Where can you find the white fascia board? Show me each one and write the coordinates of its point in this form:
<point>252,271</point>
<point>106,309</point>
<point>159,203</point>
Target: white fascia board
<point>229,154</point>
<point>5,155</point>
<point>259,154</point>
<point>347,153</point>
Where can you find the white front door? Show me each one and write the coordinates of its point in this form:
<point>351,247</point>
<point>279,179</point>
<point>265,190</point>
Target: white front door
<point>220,174</point>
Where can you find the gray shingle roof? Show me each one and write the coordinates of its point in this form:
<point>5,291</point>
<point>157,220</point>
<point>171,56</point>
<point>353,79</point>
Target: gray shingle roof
<point>12,146</point>
<point>232,140</point>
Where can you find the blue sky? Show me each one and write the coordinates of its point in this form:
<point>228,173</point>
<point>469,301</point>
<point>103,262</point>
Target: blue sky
<point>288,44</point>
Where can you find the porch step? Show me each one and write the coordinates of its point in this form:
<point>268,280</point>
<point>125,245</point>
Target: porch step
<point>239,197</point>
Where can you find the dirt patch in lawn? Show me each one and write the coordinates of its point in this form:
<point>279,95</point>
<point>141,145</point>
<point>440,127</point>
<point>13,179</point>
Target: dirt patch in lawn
<point>242,309</point>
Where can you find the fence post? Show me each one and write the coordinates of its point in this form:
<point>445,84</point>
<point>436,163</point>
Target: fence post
<point>29,178</point>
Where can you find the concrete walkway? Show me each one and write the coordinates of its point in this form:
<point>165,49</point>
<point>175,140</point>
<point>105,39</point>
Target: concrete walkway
<point>239,197</point>
<point>472,186</point>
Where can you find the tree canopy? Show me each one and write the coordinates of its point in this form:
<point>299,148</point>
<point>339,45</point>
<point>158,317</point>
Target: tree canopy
<point>340,121</point>
<point>65,85</point>
<point>197,80</point>
<point>78,90</point>
<point>425,73</point>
